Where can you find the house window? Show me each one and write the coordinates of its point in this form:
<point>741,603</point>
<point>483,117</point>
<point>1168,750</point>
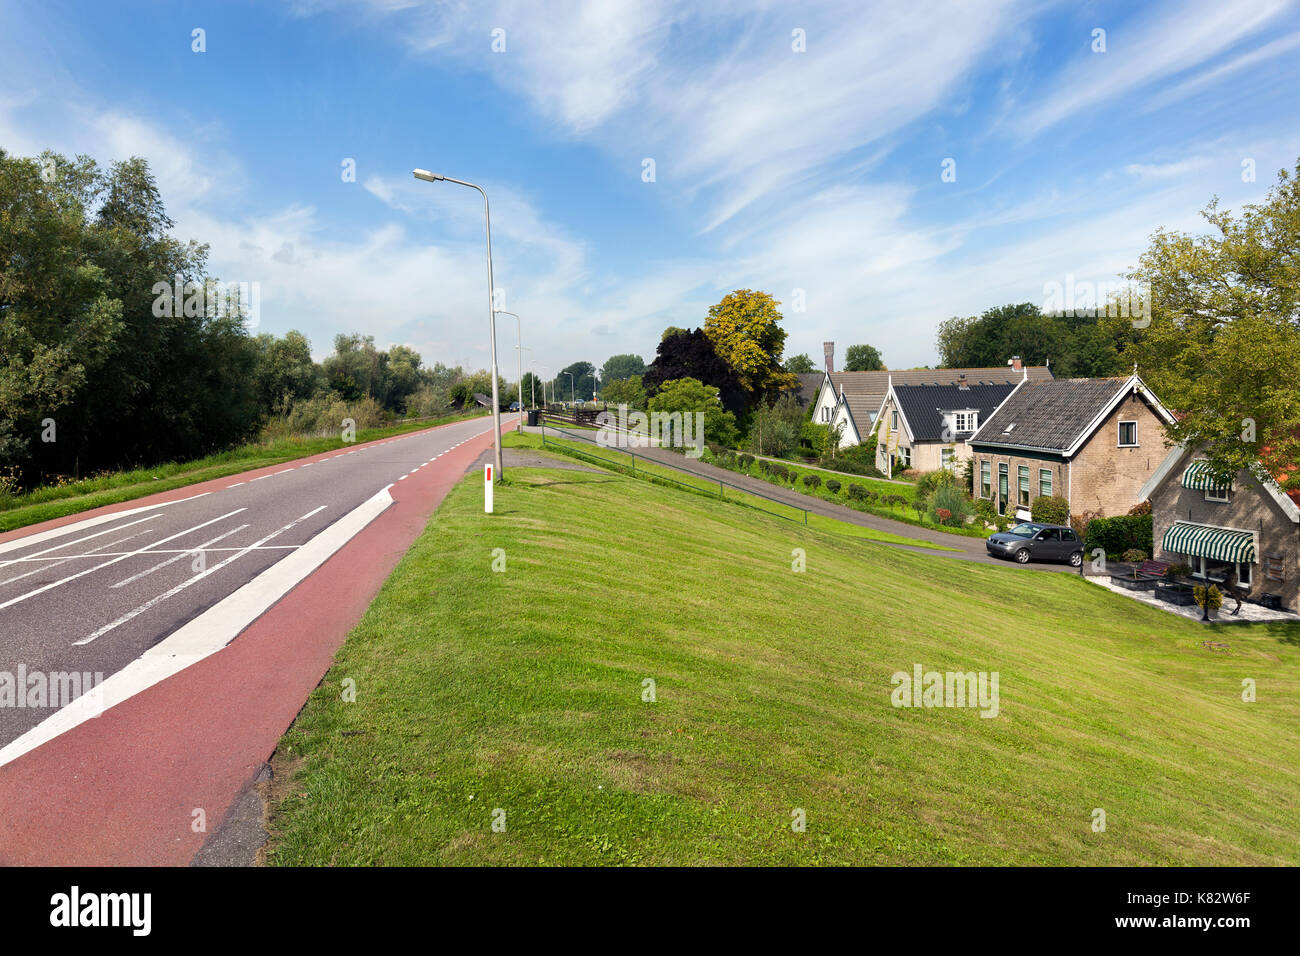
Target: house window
<point>965,421</point>
<point>1044,482</point>
<point>1216,494</point>
<point>1274,567</point>
<point>1022,475</point>
<point>1128,434</point>
<point>1002,488</point>
<point>986,480</point>
<point>905,455</point>
<point>893,421</point>
<point>945,457</point>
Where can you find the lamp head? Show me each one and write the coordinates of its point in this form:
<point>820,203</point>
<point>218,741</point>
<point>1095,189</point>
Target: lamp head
<point>427,176</point>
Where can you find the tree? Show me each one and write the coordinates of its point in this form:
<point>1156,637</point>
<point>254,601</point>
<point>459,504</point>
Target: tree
<point>746,332</point>
<point>692,355</point>
<point>863,358</point>
<point>691,395</point>
<point>1223,343</point>
<point>583,384</point>
<point>621,366</point>
<point>776,428</point>
<point>1079,346</point>
<point>800,364</point>
<point>626,391</point>
<point>533,389</point>
<point>285,371</point>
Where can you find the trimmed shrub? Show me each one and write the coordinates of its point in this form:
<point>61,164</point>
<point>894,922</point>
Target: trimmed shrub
<point>746,461</point>
<point>1050,509</point>
<point>1119,534</point>
<point>832,486</point>
<point>918,505</point>
<point>812,481</point>
<point>857,493</point>
<point>1134,555</point>
<point>985,511</point>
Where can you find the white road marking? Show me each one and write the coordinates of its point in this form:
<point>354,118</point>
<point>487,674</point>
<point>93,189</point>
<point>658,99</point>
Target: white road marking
<point>153,602</point>
<point>76,526</point>
<point>206,634</point>
<point>78,541</point>
<point>73,577</point>
<point>64,559</point>
<point>179,555</point>
<point>235,485</point>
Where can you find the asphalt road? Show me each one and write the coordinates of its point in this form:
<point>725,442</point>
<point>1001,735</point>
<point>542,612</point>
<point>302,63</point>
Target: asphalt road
<point>94,599</point>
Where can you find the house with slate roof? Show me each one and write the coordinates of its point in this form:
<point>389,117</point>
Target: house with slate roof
<point>927,427</point>
<point>1247,530</point>
<point>1092,441</point>
<point>852,400</point>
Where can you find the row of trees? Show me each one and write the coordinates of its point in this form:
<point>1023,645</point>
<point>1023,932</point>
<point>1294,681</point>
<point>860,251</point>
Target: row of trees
<point>95,375</point>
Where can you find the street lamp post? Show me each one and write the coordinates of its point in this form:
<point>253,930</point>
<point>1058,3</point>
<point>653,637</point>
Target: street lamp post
<point>519,336</point>
<point>428,177</point>
<point>573,394</point>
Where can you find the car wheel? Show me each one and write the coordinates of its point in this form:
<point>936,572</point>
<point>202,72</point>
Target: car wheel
<point>1076,559</point>
<point>1023,555</point>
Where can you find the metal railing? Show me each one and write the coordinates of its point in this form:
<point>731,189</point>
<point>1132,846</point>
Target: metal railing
<point>650,476</point>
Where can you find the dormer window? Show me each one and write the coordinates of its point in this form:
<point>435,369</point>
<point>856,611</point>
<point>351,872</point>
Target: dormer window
<point>966,421</point>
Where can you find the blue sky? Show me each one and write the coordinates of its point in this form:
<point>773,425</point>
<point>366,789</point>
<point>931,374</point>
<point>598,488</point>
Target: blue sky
<point>774,169</point>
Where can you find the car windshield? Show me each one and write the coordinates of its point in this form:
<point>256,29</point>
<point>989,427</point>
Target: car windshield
<point>1026,530</point>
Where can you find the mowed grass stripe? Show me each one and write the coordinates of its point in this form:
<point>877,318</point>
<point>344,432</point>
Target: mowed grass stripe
<point>522,691</point>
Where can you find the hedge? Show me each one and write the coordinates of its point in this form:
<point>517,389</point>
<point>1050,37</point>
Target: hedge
<point>1050,509</point>
<point>1119,534</point>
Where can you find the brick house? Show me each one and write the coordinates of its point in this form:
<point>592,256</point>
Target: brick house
<point>1092,441</point>
<point>1249,529</point>
<point>928,427</point>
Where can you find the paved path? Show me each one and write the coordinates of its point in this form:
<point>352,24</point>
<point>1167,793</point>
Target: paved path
<point>967,548</point>
<point>152,594</point>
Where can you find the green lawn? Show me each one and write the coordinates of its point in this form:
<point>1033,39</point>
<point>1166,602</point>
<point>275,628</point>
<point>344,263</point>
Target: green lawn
<point>523,690</point>
<point>904,513</point>
<point>640,467</point>
<point>56,501</point>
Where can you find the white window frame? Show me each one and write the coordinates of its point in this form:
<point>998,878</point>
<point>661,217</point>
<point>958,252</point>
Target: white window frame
<point>986,479</point>
<point>967,421</point>
<point>1022,471</point>
<point>946,457</point>
<point>1048,473</point>
<point>1210,497</point>
<point>1120,436</point>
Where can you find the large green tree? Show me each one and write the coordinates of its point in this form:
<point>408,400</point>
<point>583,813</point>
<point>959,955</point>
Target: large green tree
<point>621,366</point>
<point>799,364</point>
<point>863,358</point>
<point>1223,343</point>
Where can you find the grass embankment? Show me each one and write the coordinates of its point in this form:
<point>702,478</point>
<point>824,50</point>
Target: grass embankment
<point>56,501</point>
<point>523,691</point>
<point>642,468</point>
<point>904,513</point>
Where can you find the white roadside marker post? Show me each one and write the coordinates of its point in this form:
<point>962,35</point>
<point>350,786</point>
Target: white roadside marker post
<point>487,489</point>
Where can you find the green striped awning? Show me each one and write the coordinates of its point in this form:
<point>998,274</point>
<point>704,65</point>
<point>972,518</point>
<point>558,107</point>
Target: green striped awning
<point>1218,544</point>
<point>1198,476</point>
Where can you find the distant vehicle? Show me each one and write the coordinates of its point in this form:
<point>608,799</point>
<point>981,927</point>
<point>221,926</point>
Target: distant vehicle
<point>515,406</point>
<point>1031,540</point>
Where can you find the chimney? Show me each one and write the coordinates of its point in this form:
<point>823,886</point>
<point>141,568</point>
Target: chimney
<point>1015,363</point>
<point>829,349</point>
<point>961,382</point>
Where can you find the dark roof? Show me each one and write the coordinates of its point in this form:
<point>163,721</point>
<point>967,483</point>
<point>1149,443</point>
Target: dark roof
<point>924,405</point>
<point>864,391</point>
<point>1049,415</point>
<point>806,391</point>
